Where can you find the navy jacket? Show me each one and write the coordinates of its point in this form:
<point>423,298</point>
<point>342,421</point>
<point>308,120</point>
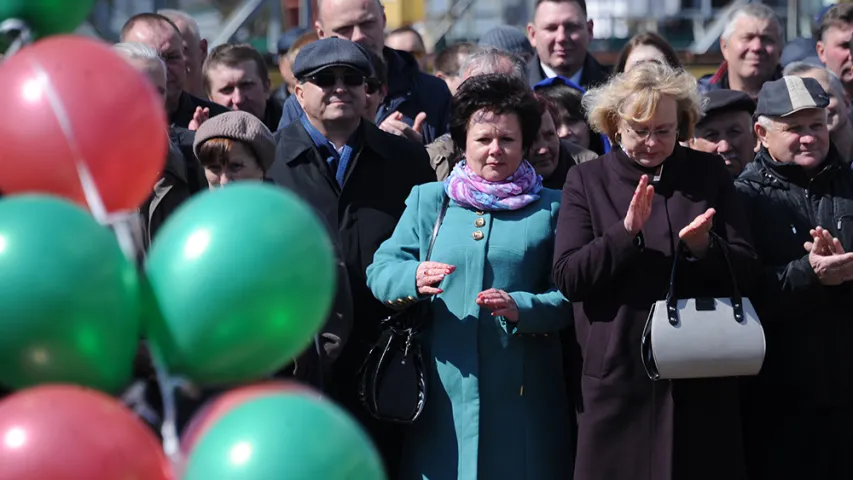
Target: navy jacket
<point>410,91</point>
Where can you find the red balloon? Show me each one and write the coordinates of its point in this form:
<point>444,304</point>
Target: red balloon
<point>64,432</point>
<point>219,406</point>
<point>70,99</point>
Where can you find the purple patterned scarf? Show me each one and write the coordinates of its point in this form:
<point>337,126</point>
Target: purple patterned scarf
<point>471,190</point>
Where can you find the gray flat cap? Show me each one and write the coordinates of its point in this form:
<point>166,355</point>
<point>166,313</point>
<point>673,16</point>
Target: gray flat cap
<point>331,52</point>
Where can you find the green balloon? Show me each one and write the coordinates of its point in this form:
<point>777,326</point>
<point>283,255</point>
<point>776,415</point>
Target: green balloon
<point>244,278</point>
<point>69,299</point>
<point>285,437</point>
<point>47,17</point>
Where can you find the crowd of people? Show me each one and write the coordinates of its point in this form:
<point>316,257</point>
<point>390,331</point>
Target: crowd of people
<point>563,189</point>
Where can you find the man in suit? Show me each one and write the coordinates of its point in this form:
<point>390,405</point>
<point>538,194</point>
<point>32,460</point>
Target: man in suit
<point>560,32</point>
<point>351,172</point>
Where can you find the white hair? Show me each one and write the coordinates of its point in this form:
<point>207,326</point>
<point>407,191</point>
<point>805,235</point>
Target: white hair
<point>488,59</point>
<point>140,51</point>
<point>751,10</point>
<point>180,16</point>
<point>799,69</point>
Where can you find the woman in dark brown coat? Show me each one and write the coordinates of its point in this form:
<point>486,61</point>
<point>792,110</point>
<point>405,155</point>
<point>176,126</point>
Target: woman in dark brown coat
<point>621,218</point>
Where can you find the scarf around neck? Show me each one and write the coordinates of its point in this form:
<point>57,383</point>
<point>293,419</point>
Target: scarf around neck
<point>515,192</point>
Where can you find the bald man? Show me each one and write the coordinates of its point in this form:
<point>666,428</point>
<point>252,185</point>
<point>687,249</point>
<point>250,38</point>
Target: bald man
<point>195,49</point>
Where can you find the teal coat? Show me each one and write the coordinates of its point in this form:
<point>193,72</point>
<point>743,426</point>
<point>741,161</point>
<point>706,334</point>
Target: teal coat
<point>496,405</point>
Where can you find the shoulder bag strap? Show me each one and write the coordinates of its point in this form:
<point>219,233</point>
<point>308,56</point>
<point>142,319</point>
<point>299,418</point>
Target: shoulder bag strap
<point>441,212</point>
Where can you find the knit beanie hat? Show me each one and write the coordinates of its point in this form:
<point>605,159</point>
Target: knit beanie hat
<point>243,127</point>
<point>509,39</point>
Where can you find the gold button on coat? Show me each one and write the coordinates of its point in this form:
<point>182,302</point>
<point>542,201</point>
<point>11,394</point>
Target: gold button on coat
<point>480,222</point>
<point>480,213</point>
<point>478,235</point>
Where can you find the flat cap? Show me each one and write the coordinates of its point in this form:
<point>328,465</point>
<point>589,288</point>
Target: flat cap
<point>285,41</point>
<point>331,52</point>
<point>508,39</point>
<point>243,127</point>
<point>788,95</point>
<point>719,101</point>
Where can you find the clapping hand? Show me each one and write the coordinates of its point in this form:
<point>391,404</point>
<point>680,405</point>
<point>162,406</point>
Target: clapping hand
<point>500,303</point>
<point>395,125</point>
<point>640,208</point>
<point>697,235</point>
<point>199,116</point>
<point>831,264</point>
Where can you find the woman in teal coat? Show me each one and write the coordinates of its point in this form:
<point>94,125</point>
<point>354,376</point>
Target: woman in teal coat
<point>496,405</point>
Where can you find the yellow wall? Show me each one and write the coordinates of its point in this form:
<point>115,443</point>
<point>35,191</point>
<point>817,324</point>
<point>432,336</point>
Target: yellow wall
<point>400,13</point>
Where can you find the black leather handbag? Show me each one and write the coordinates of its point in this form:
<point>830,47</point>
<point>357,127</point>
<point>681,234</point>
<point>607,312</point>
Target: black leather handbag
<point>393,378</point>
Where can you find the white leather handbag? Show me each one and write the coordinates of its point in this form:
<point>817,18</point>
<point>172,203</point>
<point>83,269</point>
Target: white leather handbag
<point>702,337</point>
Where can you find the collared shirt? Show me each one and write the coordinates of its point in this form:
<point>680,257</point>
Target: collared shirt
<point>338,158</point>
<point>550,73</point>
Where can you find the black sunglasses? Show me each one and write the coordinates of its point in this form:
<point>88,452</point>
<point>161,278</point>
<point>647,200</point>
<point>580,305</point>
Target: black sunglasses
<point>373,85</point>
<point>328,80</point>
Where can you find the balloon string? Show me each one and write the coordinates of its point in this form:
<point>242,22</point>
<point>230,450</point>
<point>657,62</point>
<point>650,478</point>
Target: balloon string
<point>121,227</point>
<point>169,429</point>
<point>19,31</point>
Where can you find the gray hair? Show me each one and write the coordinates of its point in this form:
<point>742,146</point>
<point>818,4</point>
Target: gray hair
<point>138,51</point>
<point>180,16</point>
<point>799,69</point>
<point>751,10</point>
<point>488,60</point>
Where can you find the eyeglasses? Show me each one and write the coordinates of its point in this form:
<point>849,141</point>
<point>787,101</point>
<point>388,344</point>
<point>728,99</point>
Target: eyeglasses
<point>328,80</point>
<point>644,134</point>
<point>373,85</point>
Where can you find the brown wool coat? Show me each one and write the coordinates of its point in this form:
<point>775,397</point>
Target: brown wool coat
<point>630,428</point>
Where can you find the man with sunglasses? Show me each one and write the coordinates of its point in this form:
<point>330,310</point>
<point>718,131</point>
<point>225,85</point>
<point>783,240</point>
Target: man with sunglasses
<point>410,91</point>
<point>358,178</point>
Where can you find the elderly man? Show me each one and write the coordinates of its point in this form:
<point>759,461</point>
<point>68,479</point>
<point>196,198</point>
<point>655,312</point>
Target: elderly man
<point>358,178</point>
<point>751,44</point>
<point>161,34</point>
<point>838,111</point>
<point>799,199</point>
<point>560,32</point>
<point>726,128</point>
<point>443,152</point>
<point>410,91</point>
<point>833,43</point>
<point>237,77</point>
<point>195,49</point>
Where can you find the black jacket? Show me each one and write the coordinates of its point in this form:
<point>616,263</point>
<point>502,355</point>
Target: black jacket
<point>808,325</point>
<point>593,72</point>
<point>410,91</point>
<point>365,211</point>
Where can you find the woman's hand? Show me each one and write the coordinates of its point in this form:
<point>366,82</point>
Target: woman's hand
<point>697,235</point>
<point>500,303</point>
<point>641,207</point>
<point>430,274</point>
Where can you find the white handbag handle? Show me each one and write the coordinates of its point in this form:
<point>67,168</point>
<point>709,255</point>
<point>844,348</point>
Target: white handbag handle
<point>671,300</point>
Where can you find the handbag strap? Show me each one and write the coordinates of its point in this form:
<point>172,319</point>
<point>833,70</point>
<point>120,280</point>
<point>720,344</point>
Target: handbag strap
<point>438,221</point>
<point>737,300</point>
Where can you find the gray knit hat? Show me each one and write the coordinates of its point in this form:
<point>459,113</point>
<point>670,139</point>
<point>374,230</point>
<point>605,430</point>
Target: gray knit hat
<point>509,39</point>
<point>243,127</point>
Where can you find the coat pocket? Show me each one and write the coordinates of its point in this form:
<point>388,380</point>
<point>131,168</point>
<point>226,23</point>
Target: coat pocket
<point>596,348</point>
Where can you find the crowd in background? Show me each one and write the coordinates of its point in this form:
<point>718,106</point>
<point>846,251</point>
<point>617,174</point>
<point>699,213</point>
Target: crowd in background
<point>564,187</point>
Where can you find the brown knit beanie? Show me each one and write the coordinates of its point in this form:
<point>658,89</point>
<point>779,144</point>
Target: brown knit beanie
<point>243,127</point>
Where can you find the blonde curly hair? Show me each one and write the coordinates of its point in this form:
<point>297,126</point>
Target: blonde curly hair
<point>635,95</point>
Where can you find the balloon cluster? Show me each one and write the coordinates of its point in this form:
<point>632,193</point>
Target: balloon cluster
<point>236,284</point>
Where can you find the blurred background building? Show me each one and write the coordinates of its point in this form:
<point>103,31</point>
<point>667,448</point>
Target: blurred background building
<point>693,27</point>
